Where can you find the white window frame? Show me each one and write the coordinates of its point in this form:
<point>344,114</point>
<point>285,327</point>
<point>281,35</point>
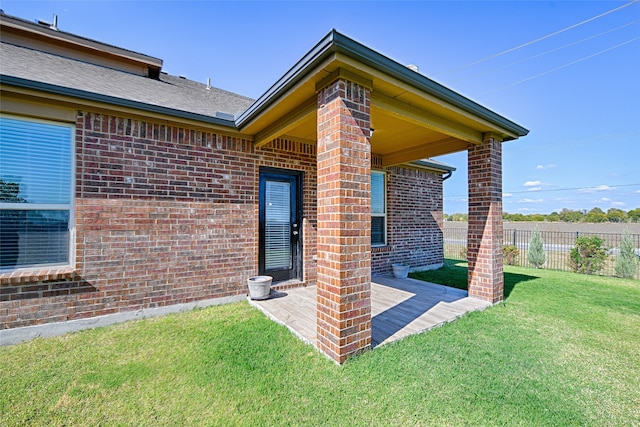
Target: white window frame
<point>53,207</point>
<point>384,214</point>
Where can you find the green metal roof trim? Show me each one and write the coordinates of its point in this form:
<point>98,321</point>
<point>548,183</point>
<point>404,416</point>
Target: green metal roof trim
<point>433,164</point>
<point>334,42</point>
<point>92,96</point>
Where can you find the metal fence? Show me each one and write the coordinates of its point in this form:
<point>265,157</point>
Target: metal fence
<point>557,245</point>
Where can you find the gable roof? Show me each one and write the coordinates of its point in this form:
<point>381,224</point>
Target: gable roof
<point>414,117</point>
<point>336,47</point>
<point>173,95</point>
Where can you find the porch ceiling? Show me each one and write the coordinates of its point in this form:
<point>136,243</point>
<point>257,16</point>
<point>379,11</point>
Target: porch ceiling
<point>413,117</point>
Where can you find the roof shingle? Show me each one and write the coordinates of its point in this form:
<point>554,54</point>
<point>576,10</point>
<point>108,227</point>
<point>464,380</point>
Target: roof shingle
<point>169,91</point>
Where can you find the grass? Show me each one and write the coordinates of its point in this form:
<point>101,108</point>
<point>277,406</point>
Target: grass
<point>564,349</point>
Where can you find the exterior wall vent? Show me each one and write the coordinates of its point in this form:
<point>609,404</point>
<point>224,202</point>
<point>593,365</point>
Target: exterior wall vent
<point>53,26</point>
<point>225,116</point>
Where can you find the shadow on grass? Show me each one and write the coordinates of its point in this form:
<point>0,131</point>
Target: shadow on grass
<point>454,274</point>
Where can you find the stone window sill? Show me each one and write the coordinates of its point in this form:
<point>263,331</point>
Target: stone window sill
<point>36,275</point>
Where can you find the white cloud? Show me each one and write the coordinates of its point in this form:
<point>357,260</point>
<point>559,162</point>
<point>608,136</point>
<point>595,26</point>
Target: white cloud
<point>527,209</point>
<point>637,191</point>
<point>507,195</point>
<point>535,189</point>
<point>543,167</point>
<point>595,189</point>
<point>526,200</point>
<point>532,183</point>
<point>603,188</point>
<point>609,201</point>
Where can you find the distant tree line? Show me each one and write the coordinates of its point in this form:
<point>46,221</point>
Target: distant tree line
<point>595,215</point>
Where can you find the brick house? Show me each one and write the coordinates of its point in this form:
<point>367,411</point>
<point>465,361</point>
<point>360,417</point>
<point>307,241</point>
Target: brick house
<point>124,189</point>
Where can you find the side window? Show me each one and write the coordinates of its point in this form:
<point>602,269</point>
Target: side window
<point>36,199</point>
<point>378,209</point>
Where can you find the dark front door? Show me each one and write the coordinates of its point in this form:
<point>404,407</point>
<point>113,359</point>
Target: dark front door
<point>280,252</point>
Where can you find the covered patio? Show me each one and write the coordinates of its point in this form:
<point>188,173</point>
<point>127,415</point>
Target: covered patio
<point>399,308</point>
<point>363,110</point>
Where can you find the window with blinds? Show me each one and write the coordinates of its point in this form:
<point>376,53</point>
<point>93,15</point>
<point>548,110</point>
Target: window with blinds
<point>378,209</point>
<point>277,225</point>
<point>36,200</point>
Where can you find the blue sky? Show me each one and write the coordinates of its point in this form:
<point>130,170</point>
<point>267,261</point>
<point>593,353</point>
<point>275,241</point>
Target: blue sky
<point>574,84</point>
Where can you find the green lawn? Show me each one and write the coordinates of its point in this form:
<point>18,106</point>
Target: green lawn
<point>564,349</point>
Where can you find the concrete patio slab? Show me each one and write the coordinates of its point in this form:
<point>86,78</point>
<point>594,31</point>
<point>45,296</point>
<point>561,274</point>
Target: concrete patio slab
<point>399,308</point>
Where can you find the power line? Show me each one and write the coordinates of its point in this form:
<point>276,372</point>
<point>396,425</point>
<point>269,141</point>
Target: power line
<point>573,43</point>
<point>584,189</point>
<point>563,66</point>
<point>558,48</point>
<point>479,61</point>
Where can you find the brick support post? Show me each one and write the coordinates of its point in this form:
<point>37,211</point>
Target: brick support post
<point>484,252</point>
<point>344,220</point>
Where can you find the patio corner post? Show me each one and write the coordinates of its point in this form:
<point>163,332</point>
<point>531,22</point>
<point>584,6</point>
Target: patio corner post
<point>484,238</point>
<point>344,219</point>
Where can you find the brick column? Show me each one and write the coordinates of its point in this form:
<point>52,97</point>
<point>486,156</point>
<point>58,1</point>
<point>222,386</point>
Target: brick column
<point>484,239</point>
<point>344,220</point>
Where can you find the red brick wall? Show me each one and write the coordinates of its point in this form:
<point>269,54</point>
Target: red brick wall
<point>414,220</point>
<point>164,215</point>
<point>344,220</point>
<point>485,231</point>
<point>167,215</point>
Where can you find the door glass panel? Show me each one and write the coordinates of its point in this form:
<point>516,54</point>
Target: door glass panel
<point>277,225</point>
